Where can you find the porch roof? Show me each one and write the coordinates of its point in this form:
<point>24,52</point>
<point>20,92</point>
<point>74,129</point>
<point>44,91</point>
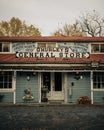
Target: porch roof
<point>11,58</point>
<point>10,62</point>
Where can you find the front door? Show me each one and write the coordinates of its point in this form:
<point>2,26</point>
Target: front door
<point>54,82</point>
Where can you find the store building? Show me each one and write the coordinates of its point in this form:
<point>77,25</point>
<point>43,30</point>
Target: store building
<point>51,69</point>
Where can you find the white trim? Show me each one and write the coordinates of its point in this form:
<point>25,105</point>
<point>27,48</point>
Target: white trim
<point>11,47</point>
<point>39,82</point>
<point>14,97</point>
<point>52,82</point>
<point>99,90</point>
<point>6,90</point>
<point>61,70</point>
<point>47,65</point>
<point>91,81</point>
<point>65,88</point>
<point>14,87</point>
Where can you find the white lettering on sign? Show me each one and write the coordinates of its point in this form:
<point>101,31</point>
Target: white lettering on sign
<point>55,52</point>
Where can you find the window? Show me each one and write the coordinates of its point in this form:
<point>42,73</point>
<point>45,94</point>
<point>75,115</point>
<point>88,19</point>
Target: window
<point>4,47</point>
<point>98,80</point>
<point>97,48</point>
<point>47,79</point>
<point>5,80</point>
<point>58,81</point>
<point>102,47</point>
<point>48,44</point>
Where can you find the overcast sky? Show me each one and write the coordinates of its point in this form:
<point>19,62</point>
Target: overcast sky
<point>48,15</point>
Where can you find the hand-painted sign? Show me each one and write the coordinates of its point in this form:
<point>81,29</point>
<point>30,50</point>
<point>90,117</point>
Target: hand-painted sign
<point>55,52</point>
<point>23,47</point>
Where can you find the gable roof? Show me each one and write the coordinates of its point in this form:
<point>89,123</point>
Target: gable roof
<point>51,39</point>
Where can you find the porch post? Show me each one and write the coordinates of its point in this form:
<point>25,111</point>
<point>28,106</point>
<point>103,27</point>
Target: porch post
<point>91,76</point>
<point>14,87</point>
<point>65,87</point>
<point>39,82</point>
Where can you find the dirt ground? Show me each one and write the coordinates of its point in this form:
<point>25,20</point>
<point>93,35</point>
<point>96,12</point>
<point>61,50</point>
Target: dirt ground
<point>57,117</point>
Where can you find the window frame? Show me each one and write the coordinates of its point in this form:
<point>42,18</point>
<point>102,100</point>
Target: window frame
<point>46,44</point>
<point>99,48</point>
<point>3,46</point>
<point>98,80</point>
<point>9,80</point>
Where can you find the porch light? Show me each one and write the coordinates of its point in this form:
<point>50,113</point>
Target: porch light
<point>28,77</point>
<point>78,76</point>
<point>81,77</point>
<point>34,73</point>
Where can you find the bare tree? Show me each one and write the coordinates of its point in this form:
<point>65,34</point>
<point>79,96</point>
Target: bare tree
<point>92,24</point>
<point>15,27</point>
<point>69,30</point>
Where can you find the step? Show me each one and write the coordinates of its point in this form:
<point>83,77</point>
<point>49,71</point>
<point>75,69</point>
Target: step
<point>55,102</point>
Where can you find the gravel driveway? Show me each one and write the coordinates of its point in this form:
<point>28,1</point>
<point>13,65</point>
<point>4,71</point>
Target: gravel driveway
<point>49,117</point>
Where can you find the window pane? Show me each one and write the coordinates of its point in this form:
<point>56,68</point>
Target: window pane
<point>10,78</point>
<point>51,44</point>
<point>95,85</point>
<point>103,85</point>
<point>95,48</point>
<point>6,47</point>
<point>98,80</point>
<point>102,47</point>
<point>10,85</point>
<point>42,44</point>
<point>5,79</point>
<point>1,78</point>
<point>5,85</point>
<point>0,47</point>
<point>47,44</point>
<point>46,79</point>
<point>1,85</point>
<point>58,81</point>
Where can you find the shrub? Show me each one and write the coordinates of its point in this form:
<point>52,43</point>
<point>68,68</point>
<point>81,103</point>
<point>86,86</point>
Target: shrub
<point>84,100</point>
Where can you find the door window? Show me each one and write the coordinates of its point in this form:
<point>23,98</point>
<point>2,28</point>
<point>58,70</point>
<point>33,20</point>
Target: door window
<point>46,80</point>
<point>58,81</point>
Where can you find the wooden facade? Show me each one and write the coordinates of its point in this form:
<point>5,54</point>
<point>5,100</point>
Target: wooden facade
<point>54,69</point>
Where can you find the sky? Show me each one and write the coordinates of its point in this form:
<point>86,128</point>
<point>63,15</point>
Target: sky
<point>48,15</point>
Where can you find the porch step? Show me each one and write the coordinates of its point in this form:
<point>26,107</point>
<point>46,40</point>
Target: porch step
<point>56,102</point>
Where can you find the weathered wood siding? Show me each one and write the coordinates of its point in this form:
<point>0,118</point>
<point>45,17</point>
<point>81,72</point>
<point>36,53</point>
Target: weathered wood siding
<point>80,87</point>
<point>22,83</point>
<point>7,97</point>
<point>98,97</point>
